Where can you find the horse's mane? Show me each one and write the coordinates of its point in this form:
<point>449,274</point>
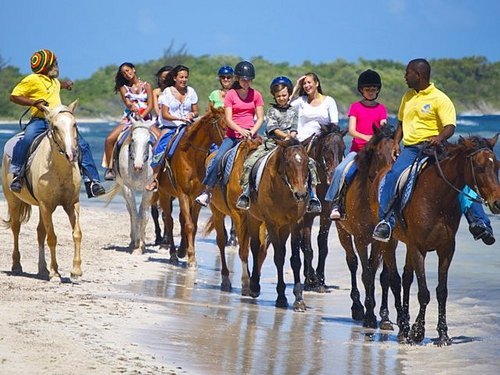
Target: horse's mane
<point>289,142</point>
<point>469,144</point>
<point>364,157</point>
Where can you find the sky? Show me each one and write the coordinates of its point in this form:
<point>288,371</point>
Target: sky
<point>89,34</point>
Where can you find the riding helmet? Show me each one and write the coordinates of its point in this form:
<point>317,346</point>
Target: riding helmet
<point>369,78</point>
<point>225,70</point>
<point>281,80</point>
<point>245,70</point>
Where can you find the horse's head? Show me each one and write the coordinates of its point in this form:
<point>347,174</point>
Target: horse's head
<point>377,153</point>
<point>327,149</point>
<point>207,130</point>
<point>63,130</point>
<point>482,175</point>
<point>140,142</point>
<point>293,167</point>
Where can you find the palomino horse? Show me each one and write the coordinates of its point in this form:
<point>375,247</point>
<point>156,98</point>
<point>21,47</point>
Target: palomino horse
<point>278,206</point>
<point>187,172</point>
<point>432,216</point>
<point>358,226</point>
<point>327,150</point>
<point>52,179</point>
<point>133,173</point>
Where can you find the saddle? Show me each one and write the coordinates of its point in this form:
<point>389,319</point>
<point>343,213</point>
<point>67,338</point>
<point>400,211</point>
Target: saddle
<point>258,169</point>
<point>227,163</point>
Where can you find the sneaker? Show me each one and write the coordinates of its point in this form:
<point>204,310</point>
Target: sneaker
<point>243,202</point>
<point>314,206</point>
<point>335,214</point>
<point>478,230</point>
<point>152,186</point>
<point>382,232</point>
<point>109,175</point>
<point>203,199</point>
<point>94,189</point>
<point>17,184</point>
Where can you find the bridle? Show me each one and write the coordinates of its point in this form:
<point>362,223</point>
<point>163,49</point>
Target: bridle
<point>215,124</point>
<point>284,176</point>
<point>132,149</point>
<point>52,135</point>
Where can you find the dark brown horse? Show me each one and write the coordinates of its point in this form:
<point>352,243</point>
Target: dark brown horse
<point>355,233</point>
<point>188,169</point>
<point>327,150</point>
<point>278,206</point>
<point>222,204</point>
<point>433,215</point>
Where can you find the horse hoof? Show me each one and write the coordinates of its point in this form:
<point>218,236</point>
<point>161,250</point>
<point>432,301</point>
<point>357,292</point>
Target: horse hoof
<point>281,303</point>
<point>299,306</point>
<point>18,270</point>
<point>370,322</point>
<point>254,293</point>
<point>138,251</point>
<point>56,279</point>
<point>417,335</point>
<point>443,341</point>
<point>192,265</point>
<point>232,242</point>
<point>386,325</point>
<point>357,314</point>
<point>225,286</point>
<point>245,292</point>
<point>181,252</point>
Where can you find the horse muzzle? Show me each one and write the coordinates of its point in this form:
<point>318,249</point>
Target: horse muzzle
<point>300,196</point>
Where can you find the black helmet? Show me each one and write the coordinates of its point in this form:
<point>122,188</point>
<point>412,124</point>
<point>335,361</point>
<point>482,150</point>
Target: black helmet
<point>369,78</point>
<point>245,70</point>
<point>282,80</point>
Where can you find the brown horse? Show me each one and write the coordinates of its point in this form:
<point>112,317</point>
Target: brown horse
<point>356,230</point>
<point>222,204</point>
<point>188,169</point>
<point>327,149</point>
<point>52,179</point>
<point>279,206</point>
<point>432,216</point>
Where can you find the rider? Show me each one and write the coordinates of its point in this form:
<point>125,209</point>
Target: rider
<point>427,115</point>
<point>363,115</point>
<point>226,76</point>
<point>43,88</point>
<point>282,120</point>
<point>137,95</point>
<point>241,104</point>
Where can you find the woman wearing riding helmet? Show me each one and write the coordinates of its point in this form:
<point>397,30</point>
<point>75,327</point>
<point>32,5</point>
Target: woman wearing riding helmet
<point>241,105</point>
<point>363,115</point>
<point>216,97</point>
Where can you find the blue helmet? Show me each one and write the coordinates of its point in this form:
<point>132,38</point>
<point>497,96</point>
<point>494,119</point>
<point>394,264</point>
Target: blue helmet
<point>225,70</point>
<point>282,80</point>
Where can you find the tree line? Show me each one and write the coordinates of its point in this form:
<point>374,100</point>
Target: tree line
<point>471,82</point>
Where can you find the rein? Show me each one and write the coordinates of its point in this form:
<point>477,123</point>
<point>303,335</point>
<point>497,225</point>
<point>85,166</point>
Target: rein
<point>474,199</point>
<point>214,123</point>
<point>51,135</point>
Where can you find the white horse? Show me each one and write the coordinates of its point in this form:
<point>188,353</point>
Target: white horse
<point>52,179</point>
<point>133,173</point>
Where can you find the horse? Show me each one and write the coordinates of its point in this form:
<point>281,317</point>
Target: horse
<point>184,179</point>
<point>133,173</point>
<point>222,204</point>
<point>52,179</point>
<point>327,149</point>
<point>432,216</point>
<point>356,230</point>
<point>278,207</point>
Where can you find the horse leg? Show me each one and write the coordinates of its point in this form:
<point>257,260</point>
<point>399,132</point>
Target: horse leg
<point>129,196</point>
<point>190,229</point>
<point>243,238</point>
<point>155,215</point>
<point>73,213</point>
<point>299,305</point>
<point>357,308</point>
<point>324,230</point>
<point>143,218</point>
<point>445,258</point>
<point>407,281</point>
<point>417,332</point>
<point>232,240</point>
<point>43,272</point>
<point>279,261</point>
<point>256,233</point>
<point>310,280</point>
<point>15,207</point>
<point>46,214</point>
<point>369,267</point>
<point>394,281</point>
<point>168,224</point>
<point>218,219</point>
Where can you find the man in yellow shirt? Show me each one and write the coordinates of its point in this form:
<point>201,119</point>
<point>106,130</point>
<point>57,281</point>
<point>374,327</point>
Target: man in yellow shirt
<point>43,88</point>
<point>426,114</point>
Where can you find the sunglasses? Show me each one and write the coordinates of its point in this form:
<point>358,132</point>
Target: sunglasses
<point>225,77</point>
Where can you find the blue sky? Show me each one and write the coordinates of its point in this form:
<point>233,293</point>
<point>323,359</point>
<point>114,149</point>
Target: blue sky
<point>90,34</point>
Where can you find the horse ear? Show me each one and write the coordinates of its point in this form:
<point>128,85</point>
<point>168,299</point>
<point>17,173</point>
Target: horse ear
<point>72,106</point>
<point>493,141</point>
<point>461,140</point>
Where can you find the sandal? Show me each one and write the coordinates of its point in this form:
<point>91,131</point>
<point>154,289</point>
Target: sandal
<point>152,186</point>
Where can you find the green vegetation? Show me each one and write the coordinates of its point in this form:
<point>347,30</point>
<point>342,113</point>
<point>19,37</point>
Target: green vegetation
<point>471,82</point>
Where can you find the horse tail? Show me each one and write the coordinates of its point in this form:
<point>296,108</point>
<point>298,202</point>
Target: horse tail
<point>209,226</point>
<point>115,189</point>
<point>24,215</point>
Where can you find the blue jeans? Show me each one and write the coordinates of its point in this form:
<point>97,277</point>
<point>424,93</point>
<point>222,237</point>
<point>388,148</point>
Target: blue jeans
<point>404,160</point>
<point>36,127</point>
<point>333,189</point>
<point>473,211</point>
<point>211,175</point>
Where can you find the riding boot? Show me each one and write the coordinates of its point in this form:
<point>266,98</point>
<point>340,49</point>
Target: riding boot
<point>94,189</point>
<point>17,183</point>
<point>243,202</point>
<point>204,198</point>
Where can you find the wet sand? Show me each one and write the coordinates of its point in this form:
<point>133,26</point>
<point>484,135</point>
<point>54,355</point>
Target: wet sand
<point>141,314</point>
